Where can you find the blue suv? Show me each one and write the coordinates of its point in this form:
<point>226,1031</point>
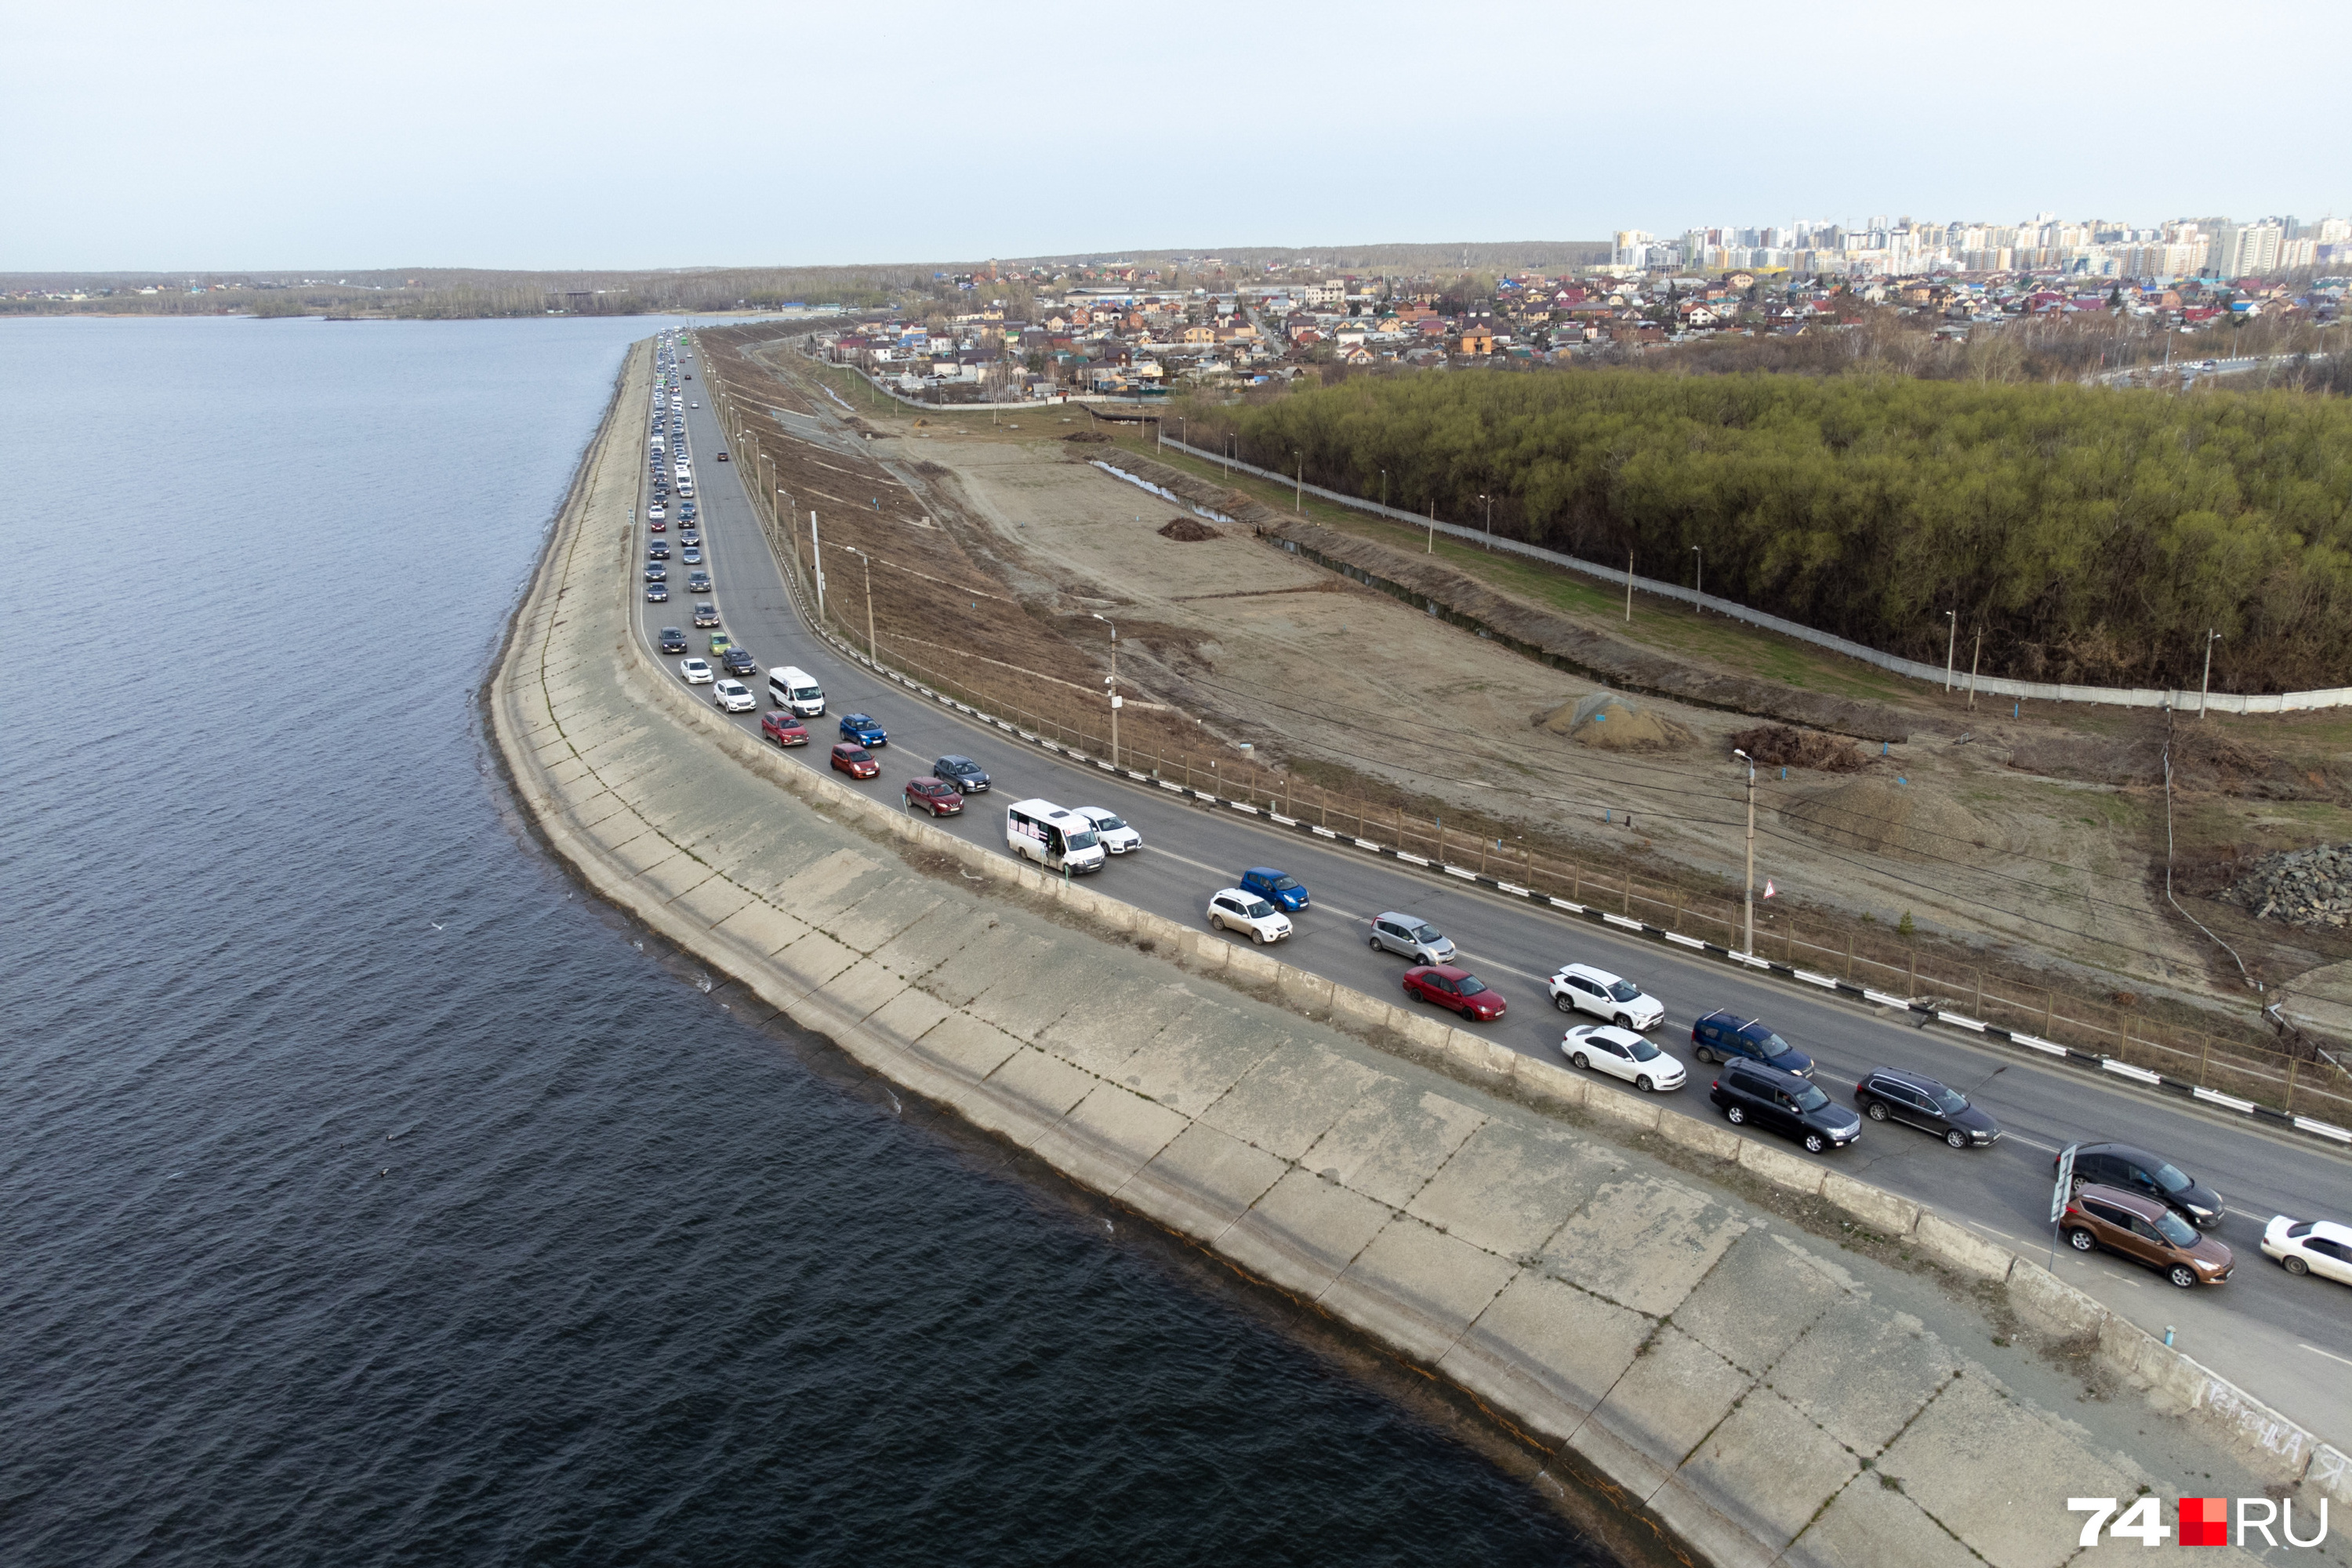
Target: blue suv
<point>863,729</point>
<point>1721,1036</point>
<point>1278,887</point>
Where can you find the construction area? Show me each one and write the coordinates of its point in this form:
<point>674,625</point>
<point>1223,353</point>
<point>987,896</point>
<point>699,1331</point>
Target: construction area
<point>1493,712</point>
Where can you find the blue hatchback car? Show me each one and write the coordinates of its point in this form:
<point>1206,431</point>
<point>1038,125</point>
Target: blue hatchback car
<point>863,729</point>
<point>1722,1035</point>
<point>1285,891</point>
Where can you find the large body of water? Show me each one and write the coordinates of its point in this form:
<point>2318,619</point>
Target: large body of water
<point>368,1195</point>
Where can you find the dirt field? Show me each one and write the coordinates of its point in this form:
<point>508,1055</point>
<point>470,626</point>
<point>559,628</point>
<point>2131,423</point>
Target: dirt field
<point>2041,836</point>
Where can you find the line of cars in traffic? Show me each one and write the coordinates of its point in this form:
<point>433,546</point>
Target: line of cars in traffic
<point>2122,1199</point>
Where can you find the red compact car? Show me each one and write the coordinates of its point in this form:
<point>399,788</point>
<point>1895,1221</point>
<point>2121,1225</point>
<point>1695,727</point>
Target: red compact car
<point>659,525</point>
<point>935,796</point>
<point>783,729</point>
<point>854,760</point>
<point>1456,988</point>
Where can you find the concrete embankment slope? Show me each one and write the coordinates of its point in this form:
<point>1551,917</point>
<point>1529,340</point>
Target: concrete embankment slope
<point>1764,1395</point>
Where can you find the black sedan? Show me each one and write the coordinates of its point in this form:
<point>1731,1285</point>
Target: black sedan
<point>2135,1170</point>
<point>672,640</point>
<point>1890,1094</point>
<point>961,774</point>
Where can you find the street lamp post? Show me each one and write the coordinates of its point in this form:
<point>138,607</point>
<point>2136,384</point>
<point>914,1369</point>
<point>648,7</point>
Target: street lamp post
<point>1700,589</point>
<point>2205,681</point>
<point>1490,520</point>
<point>1748,938</point>
<point>1116,701</point>
<point>1951,645</point>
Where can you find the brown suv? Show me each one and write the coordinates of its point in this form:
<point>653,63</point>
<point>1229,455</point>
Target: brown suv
<point>2146,1232</point>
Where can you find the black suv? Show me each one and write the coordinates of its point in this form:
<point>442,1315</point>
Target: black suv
<point>672,640</point>
<point>2137,1170</point>
<point>1891,1094</point>
<point>1721,1036</point>
<point>961,774</point>
<point>738,661</point>
<point>1751,1091</point>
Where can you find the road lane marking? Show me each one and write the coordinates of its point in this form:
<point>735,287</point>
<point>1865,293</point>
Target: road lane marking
<point>2331,1355</point>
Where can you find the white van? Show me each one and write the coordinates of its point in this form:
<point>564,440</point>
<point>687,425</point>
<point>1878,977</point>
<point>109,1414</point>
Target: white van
<point>792,687</point>
<point>1057,840</point>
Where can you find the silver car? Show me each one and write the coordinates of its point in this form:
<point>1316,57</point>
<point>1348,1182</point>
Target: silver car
<point>1410,936</point>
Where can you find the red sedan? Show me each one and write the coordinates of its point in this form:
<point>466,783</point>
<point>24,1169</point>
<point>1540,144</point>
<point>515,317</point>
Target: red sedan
<point>854,760</point>
<point>659,525</point>
<point>934,796</point>
<point>783,729</point>
<point>1456,988</point>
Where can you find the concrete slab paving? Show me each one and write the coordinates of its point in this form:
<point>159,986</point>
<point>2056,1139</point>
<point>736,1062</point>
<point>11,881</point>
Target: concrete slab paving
<point>1028,1002</point>
<point>1198,1054</point>
<point>1547,1349</point>
<point>1511,1185</point>
<point>1304,1232</point>
<point>1966,1454</point>
<point>1643,1242</point>
<point>1203,1181</point>
<point>1291,1098</point>
<point>1863,1373</point>
<point>1766,1469</point>
<point>761,927</point>
<point>1675,1394</point>
<point>712,901</point>
<point>1108,1136</point>
<point>1029,1092</point>
<point>1871,1522</point>
<point>965,1049</point>
<point>1761,1296</point>
<point>1418,1287</point>
<point>1126,1013</point>
<point>1392,1140</point>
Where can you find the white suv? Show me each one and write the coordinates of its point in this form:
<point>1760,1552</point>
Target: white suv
<point>1116,836</point>
<point>1232,908</point>
<point>1580,988</point>
<point>733,697</point>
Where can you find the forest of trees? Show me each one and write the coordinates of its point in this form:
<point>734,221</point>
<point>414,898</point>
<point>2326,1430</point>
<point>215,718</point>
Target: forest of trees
<point>2094,535</point>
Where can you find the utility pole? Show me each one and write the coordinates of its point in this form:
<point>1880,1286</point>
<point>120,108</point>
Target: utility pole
<point>1701,582</point>
<point>1490,520</point>
<point>871,652</point>
<point>1115,700</point>
<point>1952,646</point>
<point>1976,651</point>
<point>1748,939</point>
<point>2205,681</point>
<point>816,555</point>
<point>1431,549</point>
<point>1629,585</point>
<point>1299,493</point>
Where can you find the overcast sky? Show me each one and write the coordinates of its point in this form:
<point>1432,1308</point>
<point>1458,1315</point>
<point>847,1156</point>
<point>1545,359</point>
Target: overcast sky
<point>518,133</point>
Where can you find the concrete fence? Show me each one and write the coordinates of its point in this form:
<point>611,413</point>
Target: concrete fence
<point>1991,685</point>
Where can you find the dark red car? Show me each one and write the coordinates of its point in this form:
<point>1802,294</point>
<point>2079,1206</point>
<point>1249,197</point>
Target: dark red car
<point>934,796</point>
<point>783,729</point>
<point>658,524</point>
<point>1456,988</point>
<point>722,457</point>
<point>854,760</point>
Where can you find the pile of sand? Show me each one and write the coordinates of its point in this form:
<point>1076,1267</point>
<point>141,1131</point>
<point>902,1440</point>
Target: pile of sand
<point>1188,530</point>
<point>1779,746</point>
<point>1887,816</point>
<point>1614,724</point>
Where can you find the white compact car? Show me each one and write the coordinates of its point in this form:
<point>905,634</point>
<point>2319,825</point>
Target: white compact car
<point>1111,829</point>
<point>696,672</point>
<point>1580,988</point>
<point>1231,909</point>
<point>2318,1247</point>
<point>1621,1053</point>
<point>733,697</point>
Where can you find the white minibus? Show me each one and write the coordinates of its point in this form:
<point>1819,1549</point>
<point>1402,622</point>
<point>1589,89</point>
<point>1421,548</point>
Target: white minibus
<point>1057,840</point>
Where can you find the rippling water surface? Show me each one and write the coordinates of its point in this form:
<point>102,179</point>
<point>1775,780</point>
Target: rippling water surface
<point>366,1196</point>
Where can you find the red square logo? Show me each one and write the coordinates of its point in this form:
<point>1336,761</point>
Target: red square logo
<point>2204,1521</point>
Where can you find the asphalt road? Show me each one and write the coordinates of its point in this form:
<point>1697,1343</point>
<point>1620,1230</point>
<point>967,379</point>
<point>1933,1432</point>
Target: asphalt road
<point>2288,1340</point>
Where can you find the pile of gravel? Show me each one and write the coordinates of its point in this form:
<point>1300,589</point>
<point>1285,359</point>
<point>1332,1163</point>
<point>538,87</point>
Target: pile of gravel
<point>2300,886</point>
